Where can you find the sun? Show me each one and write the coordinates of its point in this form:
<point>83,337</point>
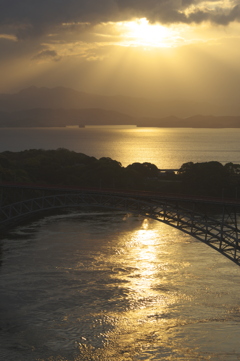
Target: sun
<point>141,33</point>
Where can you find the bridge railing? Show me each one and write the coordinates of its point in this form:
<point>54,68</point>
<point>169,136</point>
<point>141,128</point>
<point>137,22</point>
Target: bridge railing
<point>123,192</point>
<point>221,232</point>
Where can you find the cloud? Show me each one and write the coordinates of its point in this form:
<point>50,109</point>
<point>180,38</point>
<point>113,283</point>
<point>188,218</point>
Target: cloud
<point>8,37</point>
<point>186,12</point>
<point>46,55</point>
<point>35,17</point>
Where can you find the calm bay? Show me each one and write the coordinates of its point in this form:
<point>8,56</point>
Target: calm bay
<point>168,148</point>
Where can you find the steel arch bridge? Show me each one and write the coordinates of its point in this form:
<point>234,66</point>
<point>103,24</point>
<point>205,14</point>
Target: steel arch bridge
<point>184,213</point>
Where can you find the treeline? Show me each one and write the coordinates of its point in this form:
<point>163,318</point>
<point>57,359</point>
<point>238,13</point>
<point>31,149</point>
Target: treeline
<point>68,168</point>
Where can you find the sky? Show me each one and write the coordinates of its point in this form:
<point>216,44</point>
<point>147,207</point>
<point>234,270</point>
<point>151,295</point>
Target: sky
<point>143,48</point>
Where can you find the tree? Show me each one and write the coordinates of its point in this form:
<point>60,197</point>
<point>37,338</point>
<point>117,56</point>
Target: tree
<point>144,169</point>
<point>208,178</point>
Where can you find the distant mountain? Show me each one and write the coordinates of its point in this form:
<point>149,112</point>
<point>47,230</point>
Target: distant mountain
<point>66,98</point>
<point>63,117</point>
<point>42,107</point>
<point>40,117</point>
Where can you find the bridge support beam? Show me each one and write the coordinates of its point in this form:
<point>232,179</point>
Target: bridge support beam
<point>220,232</point>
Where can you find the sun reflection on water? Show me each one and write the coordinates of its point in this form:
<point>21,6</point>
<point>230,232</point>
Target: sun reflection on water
<point>132,291</point>
<point>142,323</point>
<point>144,250</point>
<point>141,256</point>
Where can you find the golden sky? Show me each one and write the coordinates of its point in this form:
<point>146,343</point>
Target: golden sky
<point>144,48</point>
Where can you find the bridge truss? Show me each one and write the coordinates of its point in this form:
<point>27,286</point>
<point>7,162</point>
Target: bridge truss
<point>191,216</point>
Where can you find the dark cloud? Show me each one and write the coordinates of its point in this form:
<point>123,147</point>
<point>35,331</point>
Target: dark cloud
<point>170,11</point>
<point>12,49</point>
<point>35,17</point>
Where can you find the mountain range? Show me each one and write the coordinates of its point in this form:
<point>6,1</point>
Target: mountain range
<point>52,107</point>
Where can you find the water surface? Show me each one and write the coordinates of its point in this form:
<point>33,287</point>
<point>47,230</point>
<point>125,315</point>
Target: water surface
<point>107,286</point>
<point>114,287</point>
<point>168,148</point>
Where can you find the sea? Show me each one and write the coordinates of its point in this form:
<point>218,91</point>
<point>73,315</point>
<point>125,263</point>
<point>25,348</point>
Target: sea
<point>167,148</point>
<point>96,285</point>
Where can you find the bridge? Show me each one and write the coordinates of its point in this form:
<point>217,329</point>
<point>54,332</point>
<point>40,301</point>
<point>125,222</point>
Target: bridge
<point>212,221</point>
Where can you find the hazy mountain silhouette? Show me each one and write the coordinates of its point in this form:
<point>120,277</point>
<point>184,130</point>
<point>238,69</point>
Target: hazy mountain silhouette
<point>41,107</point>
<point>67,98</point>
<point>39,117</point>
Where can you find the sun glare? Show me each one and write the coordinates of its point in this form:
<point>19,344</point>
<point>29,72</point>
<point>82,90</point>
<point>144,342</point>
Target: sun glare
<point>141,33</point>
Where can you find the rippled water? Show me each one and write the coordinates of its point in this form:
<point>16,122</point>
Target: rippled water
<point>109,286</point>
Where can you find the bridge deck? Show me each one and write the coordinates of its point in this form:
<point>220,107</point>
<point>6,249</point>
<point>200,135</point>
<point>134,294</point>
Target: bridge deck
<point>180,211</point>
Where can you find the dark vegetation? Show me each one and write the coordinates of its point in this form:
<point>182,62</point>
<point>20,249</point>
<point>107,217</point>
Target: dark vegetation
<point>67,168</point>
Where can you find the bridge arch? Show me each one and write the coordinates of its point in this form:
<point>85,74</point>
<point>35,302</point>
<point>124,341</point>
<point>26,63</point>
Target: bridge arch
<point>220,234</point>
